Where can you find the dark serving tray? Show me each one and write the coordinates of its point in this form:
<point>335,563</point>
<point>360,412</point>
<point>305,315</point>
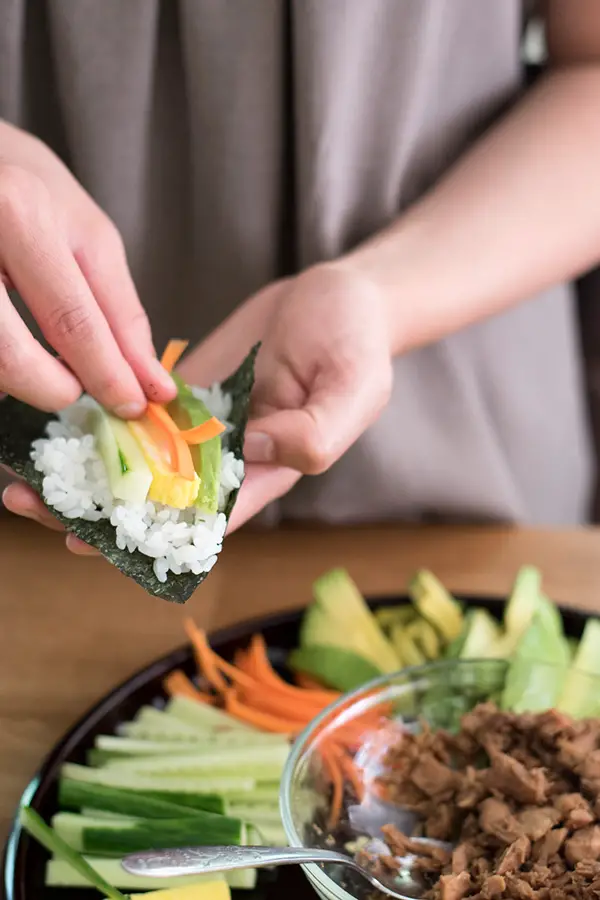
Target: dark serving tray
<point>24,860</point>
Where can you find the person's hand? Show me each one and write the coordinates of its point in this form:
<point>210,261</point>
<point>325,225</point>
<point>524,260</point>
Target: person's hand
<point>323,375</point>
<point>66,259</point>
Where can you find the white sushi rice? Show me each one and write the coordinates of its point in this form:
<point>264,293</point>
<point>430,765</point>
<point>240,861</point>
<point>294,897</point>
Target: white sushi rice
<point>76,485</point>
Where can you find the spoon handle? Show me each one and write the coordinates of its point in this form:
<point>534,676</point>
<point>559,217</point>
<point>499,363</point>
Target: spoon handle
<point>202,860</point>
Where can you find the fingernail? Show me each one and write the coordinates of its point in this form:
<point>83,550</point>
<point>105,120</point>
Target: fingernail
<point>259,448</point>
<point>129,410</point>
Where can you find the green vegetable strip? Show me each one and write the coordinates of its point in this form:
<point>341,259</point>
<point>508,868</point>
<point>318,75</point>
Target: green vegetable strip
<point>75,794</point>
<point>35,826</point>
<point>118,838</point>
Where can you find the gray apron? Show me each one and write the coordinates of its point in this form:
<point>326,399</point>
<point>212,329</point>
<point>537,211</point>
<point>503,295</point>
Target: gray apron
<point>234,141</point>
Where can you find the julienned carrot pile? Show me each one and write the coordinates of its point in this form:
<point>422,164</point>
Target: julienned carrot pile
<point>251,690</point>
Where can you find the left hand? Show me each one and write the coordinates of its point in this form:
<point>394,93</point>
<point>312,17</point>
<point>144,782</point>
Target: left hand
<point>323,376</point>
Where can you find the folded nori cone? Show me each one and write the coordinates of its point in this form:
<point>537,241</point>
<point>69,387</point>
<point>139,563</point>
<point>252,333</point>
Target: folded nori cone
<point>21,424</point>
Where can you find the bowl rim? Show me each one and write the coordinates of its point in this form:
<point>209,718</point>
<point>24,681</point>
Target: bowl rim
<point>314,872</point>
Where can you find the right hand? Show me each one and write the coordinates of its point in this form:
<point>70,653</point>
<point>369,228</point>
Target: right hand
<point>66,260</point>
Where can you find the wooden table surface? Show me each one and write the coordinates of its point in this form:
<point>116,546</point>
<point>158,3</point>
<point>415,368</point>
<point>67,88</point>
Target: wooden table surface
<point>71,628</point>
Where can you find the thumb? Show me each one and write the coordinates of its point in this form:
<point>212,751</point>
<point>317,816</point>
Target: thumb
<point>312,437</point>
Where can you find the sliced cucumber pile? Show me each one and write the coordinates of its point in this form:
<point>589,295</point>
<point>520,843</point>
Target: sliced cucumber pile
<point>185,774</point>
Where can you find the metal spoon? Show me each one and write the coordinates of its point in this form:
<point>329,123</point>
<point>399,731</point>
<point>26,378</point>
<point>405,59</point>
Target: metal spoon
<point>403,885</point>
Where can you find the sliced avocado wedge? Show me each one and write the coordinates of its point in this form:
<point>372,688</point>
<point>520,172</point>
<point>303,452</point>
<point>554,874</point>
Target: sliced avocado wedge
<point>387,616</point>
<point>436,604</point>
<point>334,667</point>
<point>340,617</point>
<point>406,646</point>
<point>541,660</point>
<point>580,696</point>
<point>128,472</point>
<point>482,634</point>
<point>188,412</point>
<point>426,637</point>
<point>523,599</point>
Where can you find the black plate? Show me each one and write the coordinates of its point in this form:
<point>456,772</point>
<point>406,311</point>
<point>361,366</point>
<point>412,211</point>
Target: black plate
<point>24,860</point>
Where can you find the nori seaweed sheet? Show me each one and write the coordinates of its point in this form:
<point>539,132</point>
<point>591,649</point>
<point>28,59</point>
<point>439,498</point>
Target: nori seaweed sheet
<point>21,424</point>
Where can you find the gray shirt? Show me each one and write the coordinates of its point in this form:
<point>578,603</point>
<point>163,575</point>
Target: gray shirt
<point>233,141</point>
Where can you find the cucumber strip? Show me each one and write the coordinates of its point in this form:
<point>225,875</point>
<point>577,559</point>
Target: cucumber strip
<point>271,835</point>
<point>256,815</point>
<point>128,780</point>
<point>35,826</point>
<point>204,716</point>
<point>102,837</point>
<point>116,746</point>
<point>262,795</point>
<point>92,813</point>
<point>163,723</point>
<point>60,874</point>
<point>127,800</point>
<point>261,763</point>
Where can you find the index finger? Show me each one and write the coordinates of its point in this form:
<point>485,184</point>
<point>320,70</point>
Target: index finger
<point>42,268</point>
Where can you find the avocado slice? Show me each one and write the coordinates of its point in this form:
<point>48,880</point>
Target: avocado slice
<point>523,599</point>
<point>580,697</point>
<point>406,646</point>
<point>436,604</point>
<point>129,475</point>
<point>388,616</point>
<point>541,660</point>
<point>520,609</point>
<point>188,412</point>
<point>340,617</point>
<point>334,667</point>
<point>479,636</point>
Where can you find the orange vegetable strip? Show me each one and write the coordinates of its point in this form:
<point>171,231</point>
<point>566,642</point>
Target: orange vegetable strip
<point>181,457</point>
<point>261,720</point>
<point>204,656</point>
<point>351,774</point>
<point>307,682</point>
<point>337,786</point>
<point>173,353</point>
<point>248,683</point>
<point>178,684</point>
<point>237,676</point>
<point>240,659</point>
<point>275,704</point>
<point>212,428</point>
<point>263,669</point>
<point>259,666</point>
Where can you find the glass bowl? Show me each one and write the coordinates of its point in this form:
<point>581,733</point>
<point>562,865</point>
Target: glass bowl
<point>365,722</point>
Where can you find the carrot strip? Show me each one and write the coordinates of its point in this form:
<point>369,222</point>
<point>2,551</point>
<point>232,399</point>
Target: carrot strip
<point>173,353</point>
<point>259,666</point>
<point>337,786</point>
<point>257,653</point>
<point>212,428</point>
<point>351,774</point>
<point>178,684</point>
<point>204,656</point>
<point>237,676</point>
<point>308,683</point>
<point>277,705</point>
<point>259,719</point>
<point>181,457</point>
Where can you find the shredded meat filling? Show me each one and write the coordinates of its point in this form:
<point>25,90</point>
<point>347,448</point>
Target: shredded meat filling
<point>518,797</point>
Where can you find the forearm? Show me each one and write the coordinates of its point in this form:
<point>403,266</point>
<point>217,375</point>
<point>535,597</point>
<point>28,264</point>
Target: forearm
<point>519,212</point>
